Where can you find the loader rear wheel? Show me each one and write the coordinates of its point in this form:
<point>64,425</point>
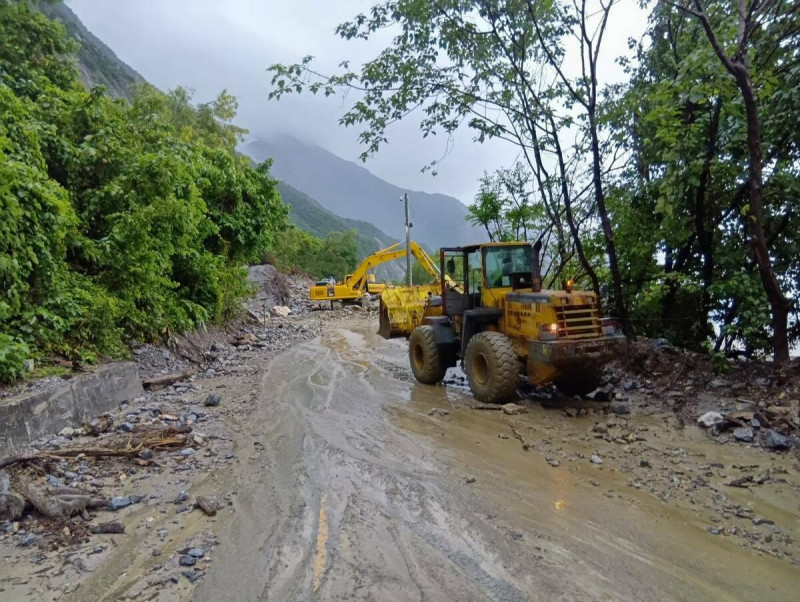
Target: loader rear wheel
<point>426,364</point>
<point>492,367</point>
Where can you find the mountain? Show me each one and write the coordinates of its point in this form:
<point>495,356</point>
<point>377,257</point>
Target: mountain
<point>97,63</point>
<point>349,190</point>
<point>307,214</point>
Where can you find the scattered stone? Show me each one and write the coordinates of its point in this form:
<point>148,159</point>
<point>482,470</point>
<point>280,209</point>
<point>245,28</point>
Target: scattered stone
<point>127,427</point>
<point>119,502</point>
<point>206,506</point>
<point>601,393</point>
<point>744,434</point>
<point>196,552</point>
<point>630,385</point>
<point>28,540</point>
<point>438,412</point>
<point>281,311</point>
<point>719,383</point>
<point>212,401</point>
<point>777,442</point>
<point>740,482</point>
<point>54,481</point>
<point>662,345</point>
<point>502,436</point>
<point>710,419</point>
<point>645,464</point>
<point>11,503</point>
<point>192,576</point>
<point>146,454</point>
<point>596,459</point>
<point>715,530</point>
<point>553,462</point>
<point>156,553</point>
<point>211,373</point>
<point>189,451</point>
<point>470,480</point>
<point>186,560</point>
<point>67,431</point>
<point>512,409</point>
<point>571,412</point>
<point>619,408</point>
<point>114,528</point>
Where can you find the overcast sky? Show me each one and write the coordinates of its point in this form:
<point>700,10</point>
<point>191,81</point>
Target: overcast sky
<point>209,45</point>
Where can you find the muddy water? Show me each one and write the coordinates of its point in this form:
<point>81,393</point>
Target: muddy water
<point>348,489</point>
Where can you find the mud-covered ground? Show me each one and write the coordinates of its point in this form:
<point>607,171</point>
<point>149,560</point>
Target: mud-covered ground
<point>339,477</point>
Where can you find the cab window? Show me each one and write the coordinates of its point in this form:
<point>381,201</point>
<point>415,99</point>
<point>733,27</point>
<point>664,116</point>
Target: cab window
<point>501,262</point>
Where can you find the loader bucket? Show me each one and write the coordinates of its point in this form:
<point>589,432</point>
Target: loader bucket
<point>403,308</point>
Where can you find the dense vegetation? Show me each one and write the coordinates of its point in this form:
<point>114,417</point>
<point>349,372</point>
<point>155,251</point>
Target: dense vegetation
<point>673,194</point>
<point>119,219</point>
<point>335,256</point>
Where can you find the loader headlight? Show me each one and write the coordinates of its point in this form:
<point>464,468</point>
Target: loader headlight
<point>548,332</point>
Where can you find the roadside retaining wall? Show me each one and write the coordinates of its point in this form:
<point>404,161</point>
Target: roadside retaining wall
<point>29,416</point>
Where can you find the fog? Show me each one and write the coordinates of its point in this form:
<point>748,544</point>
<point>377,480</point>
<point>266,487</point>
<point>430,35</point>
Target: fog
<point>210,45</point>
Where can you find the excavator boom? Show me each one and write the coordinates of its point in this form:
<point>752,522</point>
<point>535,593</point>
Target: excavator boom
<point>359,283</point>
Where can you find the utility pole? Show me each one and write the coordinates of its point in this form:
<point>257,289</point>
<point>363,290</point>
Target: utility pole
<point>404,198</point>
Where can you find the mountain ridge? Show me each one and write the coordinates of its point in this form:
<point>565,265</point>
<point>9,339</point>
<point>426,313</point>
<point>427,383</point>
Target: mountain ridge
<point>352,191</point>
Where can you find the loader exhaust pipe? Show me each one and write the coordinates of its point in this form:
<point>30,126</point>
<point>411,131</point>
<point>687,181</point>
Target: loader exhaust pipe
<point>536,268</point>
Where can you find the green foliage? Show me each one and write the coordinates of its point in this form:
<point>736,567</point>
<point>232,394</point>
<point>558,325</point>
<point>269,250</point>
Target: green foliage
<point>118,220</point>
<point>335,255</point>
<point>13,353</point>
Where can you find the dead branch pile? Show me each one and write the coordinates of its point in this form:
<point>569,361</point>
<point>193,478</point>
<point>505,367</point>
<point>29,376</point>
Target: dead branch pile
<point>18,488</point>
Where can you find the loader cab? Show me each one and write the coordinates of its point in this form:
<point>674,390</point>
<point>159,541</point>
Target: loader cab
<point>485,274</point>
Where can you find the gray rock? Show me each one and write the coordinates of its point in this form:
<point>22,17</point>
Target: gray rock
<point>54,481</point>
<point>596,459</point>
<point>192,576</point>
<point>777,442</point>
<point>744,434</point>
<point>211,373</point>
<point>553,462</point>
<point>438,412</point>
<point>28,540</point>
<point>755,423</point>
<point>127,427</point>
<point>571,412</point>
<point>189,451</point>
<point>67,431</point>
<point>120,502</point>
<point>146,454</point>
<point>11,503</point>
<point>630,385</point>
<point>182,497</point>
<point>196,552</point>
<point>619,408</point>
<point>186,560</point>
<point>710,419</point>
<point>512,409</point>
<point>212,401</point>
<point>715,530</point>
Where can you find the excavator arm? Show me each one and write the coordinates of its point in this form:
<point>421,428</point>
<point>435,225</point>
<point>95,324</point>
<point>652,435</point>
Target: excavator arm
<point>355,285</point>
<point>358,280</point>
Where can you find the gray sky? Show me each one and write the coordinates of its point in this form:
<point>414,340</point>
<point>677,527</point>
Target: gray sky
<point>209,45</point>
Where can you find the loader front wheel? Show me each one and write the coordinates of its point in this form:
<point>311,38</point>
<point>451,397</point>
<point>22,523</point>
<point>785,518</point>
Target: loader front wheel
<point>492,367</point>
<point>426,363</point>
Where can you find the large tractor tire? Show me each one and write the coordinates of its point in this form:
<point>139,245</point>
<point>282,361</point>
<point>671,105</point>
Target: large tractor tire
<point>426,364</point>
<point>492,367</point>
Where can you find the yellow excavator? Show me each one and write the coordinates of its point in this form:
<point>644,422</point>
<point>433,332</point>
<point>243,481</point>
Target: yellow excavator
<point>361,283</point>
<point>491,313</point>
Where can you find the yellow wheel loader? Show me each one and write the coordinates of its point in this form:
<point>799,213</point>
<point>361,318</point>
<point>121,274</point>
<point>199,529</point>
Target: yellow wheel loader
<point>361,283</point>
<point>491,313</point>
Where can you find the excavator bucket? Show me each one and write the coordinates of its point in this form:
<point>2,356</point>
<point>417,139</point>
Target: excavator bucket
<point>403,308</point>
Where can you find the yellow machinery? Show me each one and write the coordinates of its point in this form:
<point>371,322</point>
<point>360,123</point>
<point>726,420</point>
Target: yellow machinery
<point>361,282</point>
<point>491,313</point>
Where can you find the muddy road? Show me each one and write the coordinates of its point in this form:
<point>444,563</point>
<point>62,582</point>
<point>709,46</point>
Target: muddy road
<point>351,483</point>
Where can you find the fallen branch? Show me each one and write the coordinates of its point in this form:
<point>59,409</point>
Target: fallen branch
<point>517,435</point>
<point>165,438</point>
<point>167,379</point>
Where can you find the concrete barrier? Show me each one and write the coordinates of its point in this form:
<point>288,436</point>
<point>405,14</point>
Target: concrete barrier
<point>31,415</point>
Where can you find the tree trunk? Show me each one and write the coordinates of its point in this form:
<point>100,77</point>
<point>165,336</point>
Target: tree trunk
<point>616,280</point>
<point>754,221</point>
